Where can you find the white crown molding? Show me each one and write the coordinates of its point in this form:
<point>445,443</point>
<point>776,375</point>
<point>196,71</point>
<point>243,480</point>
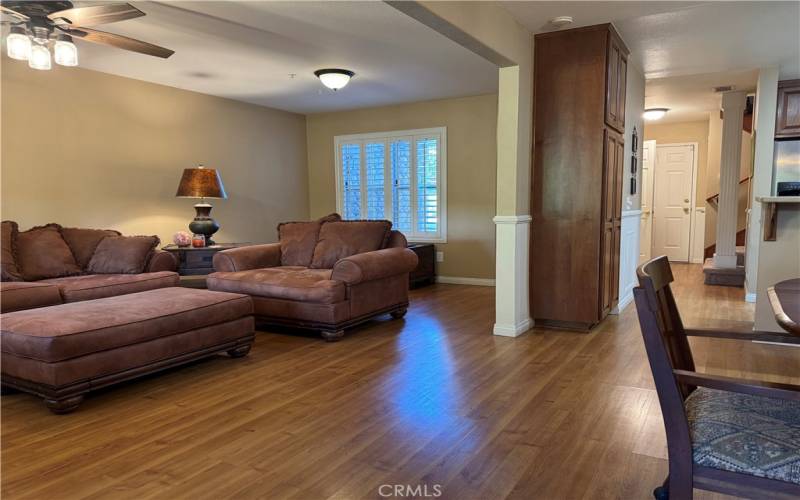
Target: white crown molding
<point>512,219</point>
<point>458,280</point>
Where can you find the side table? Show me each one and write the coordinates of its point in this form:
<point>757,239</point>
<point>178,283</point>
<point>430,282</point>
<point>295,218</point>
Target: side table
<point>195,263</point>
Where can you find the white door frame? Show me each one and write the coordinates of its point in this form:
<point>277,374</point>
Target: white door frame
<point>693,230</point>
<point>645,189</point>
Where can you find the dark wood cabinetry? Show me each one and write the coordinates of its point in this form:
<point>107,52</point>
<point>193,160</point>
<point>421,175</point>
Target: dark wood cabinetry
<point>616,81</point>
<point>787,125</point>
<point>578,154</point>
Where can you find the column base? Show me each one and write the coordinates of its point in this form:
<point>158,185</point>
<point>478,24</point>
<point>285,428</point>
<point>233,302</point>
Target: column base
<point>512,315</point>
<point>512,330</point>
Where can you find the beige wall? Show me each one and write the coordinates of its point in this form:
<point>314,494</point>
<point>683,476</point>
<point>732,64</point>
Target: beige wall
<point>471,169</point>
<point>90,149</point>
<point>634,107</point>
<point>696,131</point>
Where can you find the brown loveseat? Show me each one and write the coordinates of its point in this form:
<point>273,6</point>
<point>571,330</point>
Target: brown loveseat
<point>49,265</point>
<point>325,275</point>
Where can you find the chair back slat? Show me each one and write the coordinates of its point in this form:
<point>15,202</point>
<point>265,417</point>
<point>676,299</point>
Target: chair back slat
<point>655,277</point>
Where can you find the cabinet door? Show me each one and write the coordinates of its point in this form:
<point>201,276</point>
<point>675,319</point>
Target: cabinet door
<point>622,80</point>
<point>619,172</point>
<point>787,123</point>
<point>611,151</point>
<point>612,85</point>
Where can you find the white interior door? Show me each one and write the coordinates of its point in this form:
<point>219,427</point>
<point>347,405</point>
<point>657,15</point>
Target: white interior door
<point>672,201</point>
<point>646,224</point>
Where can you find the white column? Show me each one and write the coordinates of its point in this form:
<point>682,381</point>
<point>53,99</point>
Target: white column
<point>511,275</point>
<point>730,163</point>
<point>764,125</point>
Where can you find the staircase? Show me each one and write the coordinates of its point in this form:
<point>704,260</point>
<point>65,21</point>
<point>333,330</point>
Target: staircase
<point>725,276</point>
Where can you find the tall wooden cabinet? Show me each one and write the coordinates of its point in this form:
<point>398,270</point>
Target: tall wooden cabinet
<point>578,154</point>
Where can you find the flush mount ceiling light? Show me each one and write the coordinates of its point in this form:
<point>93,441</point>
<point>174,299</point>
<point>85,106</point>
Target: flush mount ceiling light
<point>561,21</point>
<point>334,78</point>
<point>651,114</point>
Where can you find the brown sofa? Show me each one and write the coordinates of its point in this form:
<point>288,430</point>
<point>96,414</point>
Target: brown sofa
<point>49,265</point>
<point>325,275</point>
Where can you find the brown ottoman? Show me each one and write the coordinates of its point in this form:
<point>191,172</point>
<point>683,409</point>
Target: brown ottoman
<point>61,352</point>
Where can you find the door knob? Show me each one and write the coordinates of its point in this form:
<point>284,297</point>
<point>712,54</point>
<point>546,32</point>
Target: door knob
<point>686,200</point>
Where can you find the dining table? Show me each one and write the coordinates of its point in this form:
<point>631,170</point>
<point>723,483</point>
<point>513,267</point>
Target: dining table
<point>784,297</point>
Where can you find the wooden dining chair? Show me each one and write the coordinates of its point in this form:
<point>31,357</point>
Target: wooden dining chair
<point>734,436</point>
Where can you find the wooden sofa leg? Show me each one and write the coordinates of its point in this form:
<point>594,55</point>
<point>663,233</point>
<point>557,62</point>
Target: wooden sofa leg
<point>240,351</point>
<point>332,335</point>
<point>399,313</point>
<point>66,405</point>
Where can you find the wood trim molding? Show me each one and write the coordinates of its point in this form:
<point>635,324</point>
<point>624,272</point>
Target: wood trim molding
<point>512,219</point>
<point>459,280</point>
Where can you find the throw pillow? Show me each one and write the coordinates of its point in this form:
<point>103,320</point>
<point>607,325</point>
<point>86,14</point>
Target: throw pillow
<point>8,264</point>
<point>298,240</point>
<point>122,254</point>
<point>83,242</point>
<point>338,240</point>
<point>42,253</point>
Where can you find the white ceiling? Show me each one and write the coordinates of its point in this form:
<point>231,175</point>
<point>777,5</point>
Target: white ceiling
<point>691,97</point>
<point>247,51</point>
<point>687,48</point>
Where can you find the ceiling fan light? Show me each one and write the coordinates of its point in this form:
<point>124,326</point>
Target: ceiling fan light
<point>66,53</point>
<point>18,44</point>
<point>334,79</point>
<point>40,57</point>
<point>652,114</point>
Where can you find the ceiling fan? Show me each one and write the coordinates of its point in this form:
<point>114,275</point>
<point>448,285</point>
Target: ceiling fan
<point>34,24</point>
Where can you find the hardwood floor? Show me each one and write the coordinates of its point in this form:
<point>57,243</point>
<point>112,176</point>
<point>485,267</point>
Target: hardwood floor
<point>431,400</point>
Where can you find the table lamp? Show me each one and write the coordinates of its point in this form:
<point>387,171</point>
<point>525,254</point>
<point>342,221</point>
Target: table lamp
<point>202,183</point>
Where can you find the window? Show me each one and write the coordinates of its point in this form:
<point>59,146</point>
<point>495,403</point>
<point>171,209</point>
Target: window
<point>399,176</point>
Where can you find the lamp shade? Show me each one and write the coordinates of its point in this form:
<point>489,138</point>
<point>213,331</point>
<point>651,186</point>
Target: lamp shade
<point>201,183</point>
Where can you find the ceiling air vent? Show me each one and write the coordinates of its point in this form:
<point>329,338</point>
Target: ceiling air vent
<point>723,88</point>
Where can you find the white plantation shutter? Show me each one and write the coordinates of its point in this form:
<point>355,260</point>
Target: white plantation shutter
<point>401,184</point>
<point>427,185</point>
<point>375,157</point>
<point>351,180</point>
<point>398,176</point>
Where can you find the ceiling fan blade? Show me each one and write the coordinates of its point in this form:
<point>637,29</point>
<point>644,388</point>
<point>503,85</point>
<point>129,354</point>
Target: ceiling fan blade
<point>119,41</point>
<point>6,10</point>
<point>96,14</point>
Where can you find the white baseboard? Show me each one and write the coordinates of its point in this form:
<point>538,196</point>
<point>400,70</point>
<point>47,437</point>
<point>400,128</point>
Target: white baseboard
<point>750,297</point>
<point>457,280</point>
<point>623,302</point>
<point>513,330</point>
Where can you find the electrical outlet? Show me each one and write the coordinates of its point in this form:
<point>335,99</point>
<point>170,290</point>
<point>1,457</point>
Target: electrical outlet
<point>439,256</point>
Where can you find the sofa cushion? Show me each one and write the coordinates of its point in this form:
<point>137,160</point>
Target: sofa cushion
<point>752,435</point>
<point>83,242</point>
<point>338,240</point>
<point>41,253</point>
<point>8,262</point>
<point>98,286</point>
<point>67,331</point>
<point>285,282</point>
<point>122,254</point>
<point>19,295</point>
<point>298,240</point>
